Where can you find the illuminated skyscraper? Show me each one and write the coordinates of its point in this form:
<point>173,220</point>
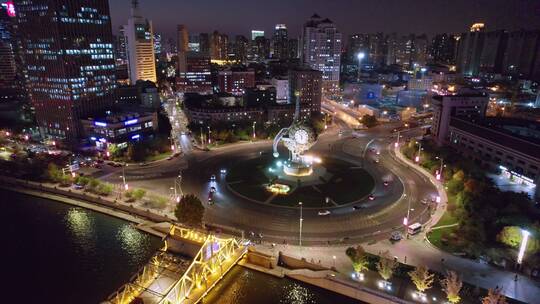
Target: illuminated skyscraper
<point>256,33</point>
<point>140,46</point>
<point>321,50</point>
<point>280,42</point>
<point>68,55</point>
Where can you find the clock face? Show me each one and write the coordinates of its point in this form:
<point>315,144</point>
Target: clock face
<point>301,137</point>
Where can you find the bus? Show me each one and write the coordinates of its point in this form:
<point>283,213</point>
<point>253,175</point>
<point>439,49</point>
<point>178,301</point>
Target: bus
<point>414,228</point>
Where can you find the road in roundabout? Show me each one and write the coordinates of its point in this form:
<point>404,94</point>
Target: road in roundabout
<point>277,219</point>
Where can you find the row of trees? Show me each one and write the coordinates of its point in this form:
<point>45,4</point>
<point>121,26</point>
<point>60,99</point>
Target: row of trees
<point>420,276</point>
<point>89,184</point>
<point>237,131</point>
<point>487,217</point>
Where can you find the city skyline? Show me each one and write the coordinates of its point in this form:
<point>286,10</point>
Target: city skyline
<point>240,17</point>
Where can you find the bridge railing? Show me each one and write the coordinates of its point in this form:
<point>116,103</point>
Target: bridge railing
<point>205,268</point>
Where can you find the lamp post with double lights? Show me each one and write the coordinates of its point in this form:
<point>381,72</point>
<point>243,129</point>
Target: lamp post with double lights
<point>177,188</point>
<point>396,144</point>
<point>209,135</point>
<point>254,134</point>
<point>126,187</point>
<point>417,158</point>
<point>525,238</point>
<point>439,173</point>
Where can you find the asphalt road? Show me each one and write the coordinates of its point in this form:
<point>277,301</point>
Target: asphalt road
<point>280,224</point>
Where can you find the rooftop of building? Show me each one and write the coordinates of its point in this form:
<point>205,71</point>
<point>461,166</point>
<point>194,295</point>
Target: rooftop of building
<point>479,94</point>
<point>497,130</point>
<point>119,116</point>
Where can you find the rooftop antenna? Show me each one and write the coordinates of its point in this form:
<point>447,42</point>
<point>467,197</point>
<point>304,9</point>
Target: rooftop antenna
<point>297,108</point>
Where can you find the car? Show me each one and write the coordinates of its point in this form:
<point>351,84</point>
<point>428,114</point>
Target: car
<point>213,189</point>
<point>371,197</point>
<point>378,152</point>
<point>210,198</point>
<point>213,178</point>
<point>223,171</point>
<point>170,158</point>
<point>385,183</point>
<point>77,186</point>
<point>395,236</point>
<point>176,154</point>
<point>376,160</point>
<point>260,235</point>
<point>143,164</point>
<point>424,201</point>
<point>324,212</point>
<point>358,207</point>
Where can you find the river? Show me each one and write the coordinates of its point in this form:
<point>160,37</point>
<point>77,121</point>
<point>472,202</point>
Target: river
<point>56,253</point>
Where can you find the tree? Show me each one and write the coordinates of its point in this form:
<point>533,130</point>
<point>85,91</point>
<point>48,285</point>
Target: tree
<point>451,285</point>
<point>138,194</point>
<point>190,210</point>
<point>421,278</point>
<point>53,173</point>
<point>386,266</point>
<point>494,296</point>
<point>512,237</point>
<point>358,258</point>
<point>369,121</point>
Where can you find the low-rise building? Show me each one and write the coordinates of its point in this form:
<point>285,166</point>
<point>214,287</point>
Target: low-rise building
<point>119,128</point>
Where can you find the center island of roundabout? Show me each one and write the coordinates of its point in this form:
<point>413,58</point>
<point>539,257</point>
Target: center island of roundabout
<point>297,175</point>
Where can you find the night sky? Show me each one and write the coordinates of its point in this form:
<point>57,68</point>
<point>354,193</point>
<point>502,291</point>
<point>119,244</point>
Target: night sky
<point>351,16</point>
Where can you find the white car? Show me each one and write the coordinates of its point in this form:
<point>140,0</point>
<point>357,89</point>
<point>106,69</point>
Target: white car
<point>395,236</point>
<point>223,171</point>
<point>324,212</point>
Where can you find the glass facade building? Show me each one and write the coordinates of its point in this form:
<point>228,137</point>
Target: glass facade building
<point>68,55</point>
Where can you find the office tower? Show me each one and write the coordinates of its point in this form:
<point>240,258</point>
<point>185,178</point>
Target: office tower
<point>197,77</point>
<point>8,65</point>
<point>140,41</point>
<point>204,44</point>
<point>171,43</point>
<point>357,43</point>
<point>121,44</point>
<point>443,48</point>
<point>256,33</point>
<point>321,50</point>
<point>470,49</point>
<point>182,46</point>
<point>293,48</point>
<point>308,84</point>
<point>280,42</point>
<point>68,53</point>
<point>241,45</point>
<point>157,44</point>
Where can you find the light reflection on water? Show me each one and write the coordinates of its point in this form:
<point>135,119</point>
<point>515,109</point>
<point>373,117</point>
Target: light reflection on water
<point>244,286</point>
<point>81,224</point>
<point>134,242</point>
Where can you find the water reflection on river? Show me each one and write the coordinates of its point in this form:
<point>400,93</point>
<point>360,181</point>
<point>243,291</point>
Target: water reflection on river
<point>244,286</point>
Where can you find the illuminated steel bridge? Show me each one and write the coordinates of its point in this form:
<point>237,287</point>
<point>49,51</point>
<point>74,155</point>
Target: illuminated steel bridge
<point>167,279</point>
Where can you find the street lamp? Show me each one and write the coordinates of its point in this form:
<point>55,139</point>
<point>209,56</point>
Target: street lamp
<point>439,173</point>
<point>254,134</point>
<point>396,144</point>
<point>177,183</point>
<point>360,57</point>
<point>334,258</point>
<point>209,135</point>
<point>525,234</point>
<point>126,187</point>
<point>301,220</point>
<point>417,158</point>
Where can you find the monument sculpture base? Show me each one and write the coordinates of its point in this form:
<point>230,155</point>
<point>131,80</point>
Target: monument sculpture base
<point>297,169</point>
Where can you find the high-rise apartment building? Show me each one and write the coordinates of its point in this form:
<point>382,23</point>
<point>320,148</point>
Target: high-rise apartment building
<point>204,44</point>
<point>470,49</point>
<point>293,48</point>
<point>69,61</point>
<point>182,47</point>
<point>121,45</point>
<point>219,44</point>
<point>241,47</point>
<point>236,81</point>
<point>140,42</point>
<point>158,48</point>
<point>308,84</point>
<point>280,42</point>
<point>443,48</point>
<point>521,52</point>
<point>260,48</point>
<point>321,50</point>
